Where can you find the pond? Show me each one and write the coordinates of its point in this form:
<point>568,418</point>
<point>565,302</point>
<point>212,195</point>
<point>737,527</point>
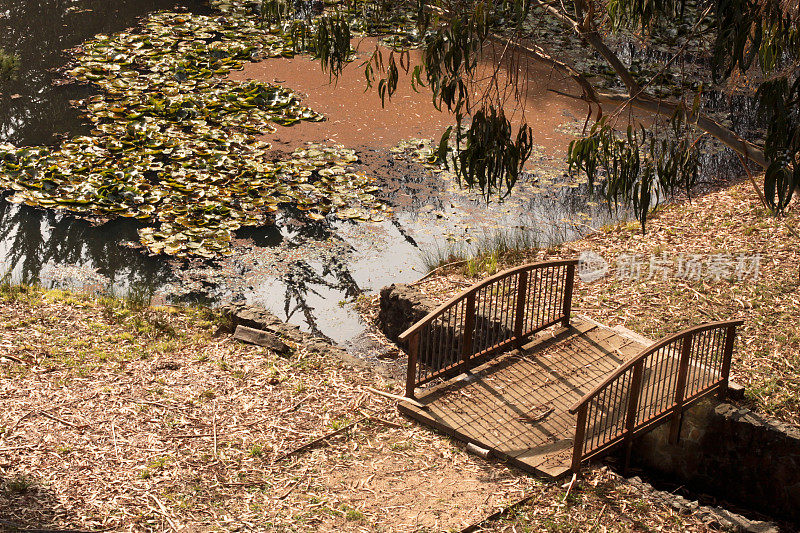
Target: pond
<point>306,272</point>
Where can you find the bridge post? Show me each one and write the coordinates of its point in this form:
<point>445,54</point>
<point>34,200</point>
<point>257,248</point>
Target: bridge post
<point>633,409</point>
<point>411,371</point>
<point>522,297</point>
<point>568,283</point>
<point>725,371</point>
<point>469,329</point>
<point>580,435</point>
<point>680,389</point>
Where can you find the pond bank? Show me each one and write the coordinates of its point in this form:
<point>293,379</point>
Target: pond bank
<point>123,417</point>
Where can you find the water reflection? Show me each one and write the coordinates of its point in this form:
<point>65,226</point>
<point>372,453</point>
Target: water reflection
<point>57,250</point>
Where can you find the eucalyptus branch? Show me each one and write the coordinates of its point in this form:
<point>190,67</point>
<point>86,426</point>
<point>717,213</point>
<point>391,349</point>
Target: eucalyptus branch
<point>587,31</point>
<point>589,92</point>
<point>666,108</point>
<point>638,98</point>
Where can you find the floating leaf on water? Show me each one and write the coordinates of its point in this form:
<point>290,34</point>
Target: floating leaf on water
<point>173,141</point>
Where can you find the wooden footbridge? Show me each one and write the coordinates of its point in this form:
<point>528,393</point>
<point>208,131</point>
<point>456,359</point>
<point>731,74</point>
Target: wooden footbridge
<point>505,367</point>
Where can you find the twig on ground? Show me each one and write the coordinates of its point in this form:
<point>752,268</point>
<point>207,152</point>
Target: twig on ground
<point>163,512</point>
<point>381,420</point>
<point>569,489</point>
<point>14,527</point>
<point>415,403</point>
<point>51,417</point>
<point>12,358</point>
<point>17,423</point>
<point>214,407</point>
<point>297,404</point>
<point>497,514</point>
<point>437,269</point>
<point>318,440</point>
<point>114,435</point>
<point>294,485</point>
<point>599,515</point>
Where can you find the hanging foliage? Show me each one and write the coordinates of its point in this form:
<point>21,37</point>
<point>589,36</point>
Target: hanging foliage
<point>331,43</point>
<point>781,104</point>
<point>639,167</point>
<point>489,155</point>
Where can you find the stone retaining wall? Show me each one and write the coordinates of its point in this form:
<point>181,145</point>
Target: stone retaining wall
<point>732,453</point>
<point>401,306</point>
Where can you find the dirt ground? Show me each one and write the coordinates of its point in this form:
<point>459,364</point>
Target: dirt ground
<point>122,418</point>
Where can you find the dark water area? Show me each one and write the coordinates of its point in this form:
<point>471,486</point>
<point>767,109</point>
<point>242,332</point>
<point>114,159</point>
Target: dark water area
<point>736,110</point>
<point>33,109</point>
<point>35,243</point>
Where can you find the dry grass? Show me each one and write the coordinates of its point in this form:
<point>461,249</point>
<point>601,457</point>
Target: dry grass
<point>729,223</point>
<point>139,419</point>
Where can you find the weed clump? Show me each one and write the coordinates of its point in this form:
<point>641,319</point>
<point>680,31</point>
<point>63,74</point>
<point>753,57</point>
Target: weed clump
<point>9,64</point>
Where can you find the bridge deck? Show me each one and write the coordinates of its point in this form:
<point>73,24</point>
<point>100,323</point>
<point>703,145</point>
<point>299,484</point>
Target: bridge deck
<point>517,405</point>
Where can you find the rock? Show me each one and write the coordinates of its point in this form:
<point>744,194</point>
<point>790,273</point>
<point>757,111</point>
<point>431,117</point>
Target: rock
<point>711,515</point>
<point>261,338</point>
<point>266,325</point>
<point>400,307</point>
<point>735,391</point>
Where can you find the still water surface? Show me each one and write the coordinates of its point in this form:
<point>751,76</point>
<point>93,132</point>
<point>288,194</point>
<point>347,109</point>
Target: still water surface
<point>302,272</point>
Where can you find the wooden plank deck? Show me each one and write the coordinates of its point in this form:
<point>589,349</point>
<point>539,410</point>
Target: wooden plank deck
<point>517,405</point>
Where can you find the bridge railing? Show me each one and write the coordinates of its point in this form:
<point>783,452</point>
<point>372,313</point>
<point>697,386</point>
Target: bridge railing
<point>659,383</point>
<point>487,318</point>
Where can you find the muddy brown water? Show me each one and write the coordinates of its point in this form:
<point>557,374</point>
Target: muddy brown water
<point>356,117</point>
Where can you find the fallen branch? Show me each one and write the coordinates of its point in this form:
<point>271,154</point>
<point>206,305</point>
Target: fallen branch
<point>569,489</point>
<point>382,421</point>
<point>14,448</point>
<point>497,514</point>
<point>437,269</point>
<point>319,440</point>
<point>294,485</point>
<point>163,511</point>
<point>413,402</point>
<point>666,108</point>
<point>8,432</point>
<point>12,358</point>
<point>51,417</point>
<point>214,407</point>
<point>296,405</point>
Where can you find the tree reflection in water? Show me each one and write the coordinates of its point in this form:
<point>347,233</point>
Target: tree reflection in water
<point>31,238</point>
<point>34,110</point>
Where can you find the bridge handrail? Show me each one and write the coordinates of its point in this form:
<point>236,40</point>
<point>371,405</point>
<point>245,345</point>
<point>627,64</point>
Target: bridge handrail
<point>690,356</point>
<point>487,317</point>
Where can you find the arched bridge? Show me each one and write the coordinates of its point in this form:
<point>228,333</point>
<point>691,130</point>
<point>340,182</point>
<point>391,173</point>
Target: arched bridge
<point>504,365</point>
